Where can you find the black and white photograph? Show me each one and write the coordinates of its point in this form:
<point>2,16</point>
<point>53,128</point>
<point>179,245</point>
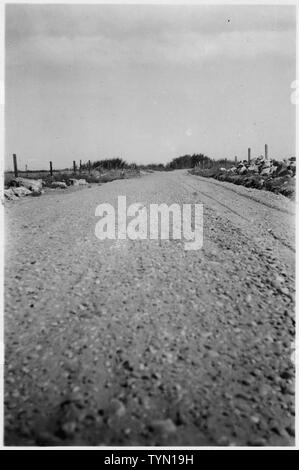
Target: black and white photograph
<point>148,202</point>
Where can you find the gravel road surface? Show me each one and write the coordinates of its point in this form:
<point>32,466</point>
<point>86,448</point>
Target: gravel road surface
<point>122,342</point>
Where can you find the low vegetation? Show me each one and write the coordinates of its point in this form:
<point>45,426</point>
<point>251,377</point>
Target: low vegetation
<point>271,175</point>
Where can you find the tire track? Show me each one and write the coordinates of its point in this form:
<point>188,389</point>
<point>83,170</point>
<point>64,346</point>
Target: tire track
<point>229,209</point>
<point>224,184</point>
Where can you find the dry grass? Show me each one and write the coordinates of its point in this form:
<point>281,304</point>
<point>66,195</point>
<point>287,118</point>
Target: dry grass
<point>67,175</point>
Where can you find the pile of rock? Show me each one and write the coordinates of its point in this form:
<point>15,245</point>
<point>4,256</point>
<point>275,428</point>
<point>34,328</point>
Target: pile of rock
<point>265,167</point>
<point>59,184</point>
<point>260,173</point>
<point>14,193</point>
<point>21,187</point>
<point>32,185</point>
<point>75,182</point>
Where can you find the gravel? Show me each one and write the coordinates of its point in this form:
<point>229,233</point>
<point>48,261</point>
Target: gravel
<point>122,342</point>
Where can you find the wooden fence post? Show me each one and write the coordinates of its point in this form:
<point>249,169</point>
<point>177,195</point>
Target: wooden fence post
<point>266,152</point>
<point>225,163</point>
<point>89,166</point>
<point>80,165</point>
<point>74,167</point>
<point>236,160</point>
<point>249,155</point>
<point>51,169</point>
<point>15,165</point>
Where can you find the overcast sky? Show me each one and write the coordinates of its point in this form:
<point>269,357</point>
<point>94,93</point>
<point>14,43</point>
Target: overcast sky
<point>147,83</point>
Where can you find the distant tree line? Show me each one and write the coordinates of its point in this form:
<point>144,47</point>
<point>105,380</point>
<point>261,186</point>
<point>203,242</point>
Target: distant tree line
<point>197,159</point>
<point>184,161</point>
<point>187,161</point>
<point>106,164</point>
<point>152,166</point>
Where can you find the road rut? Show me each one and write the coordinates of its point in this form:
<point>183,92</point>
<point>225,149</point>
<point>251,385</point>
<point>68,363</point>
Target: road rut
<point>122,342</point>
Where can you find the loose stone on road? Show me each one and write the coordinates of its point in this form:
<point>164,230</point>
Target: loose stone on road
<point>122,342</point>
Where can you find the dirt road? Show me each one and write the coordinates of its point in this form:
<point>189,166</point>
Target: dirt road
<point>144,343</point>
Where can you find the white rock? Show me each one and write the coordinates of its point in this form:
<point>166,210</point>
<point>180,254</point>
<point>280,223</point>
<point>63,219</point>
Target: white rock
<point>74,182</point>
<point>33,185</point>
<point>9,194</point>
<point>254,168</point>
<point>21,191</point>
<point>164,426</point>
<point>58,184</point>
<point>266,171</point>
<point>118,408</point>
